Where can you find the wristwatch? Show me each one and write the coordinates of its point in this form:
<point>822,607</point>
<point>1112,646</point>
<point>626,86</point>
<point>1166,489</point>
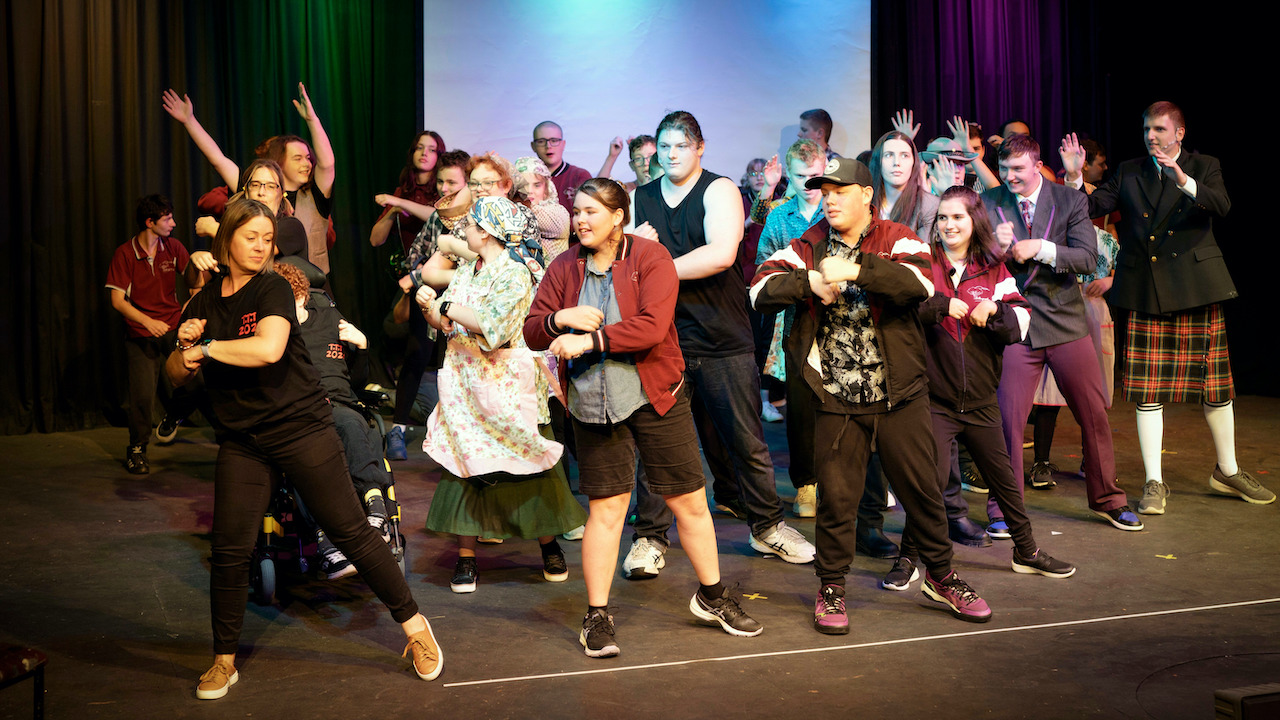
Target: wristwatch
<point>444,308</point>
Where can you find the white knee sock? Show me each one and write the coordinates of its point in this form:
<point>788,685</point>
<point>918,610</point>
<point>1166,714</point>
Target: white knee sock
<point>1222,426</point>
<point>1151,438</point>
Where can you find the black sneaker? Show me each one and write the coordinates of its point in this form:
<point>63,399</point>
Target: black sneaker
<point>972,480</point>
<point>554,567</point>
<point>1041,475</point>
<point>1043,564</point>
<point>167,430</point>
<point>727,612</point>
<point>899,578</point>
<point>1122,517</point>
<point>464,576</point>
<point>334,565</point>
<point>135,460</point>
<point>597,635</point>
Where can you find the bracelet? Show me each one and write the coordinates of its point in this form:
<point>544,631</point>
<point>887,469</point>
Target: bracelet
<point>444,308</point>
<point>204,349</point>
<point>182,348</point>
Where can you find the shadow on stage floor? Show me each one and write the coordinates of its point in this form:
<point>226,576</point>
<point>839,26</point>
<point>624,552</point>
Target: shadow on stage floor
<point>107,573</point>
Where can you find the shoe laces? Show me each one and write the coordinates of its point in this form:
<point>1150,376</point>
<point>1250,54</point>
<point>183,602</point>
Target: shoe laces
<point>419,646</point>
<point>598,621</point>
<point>831,602</point>
<point>903,565</point>
<point>729,604</point>
<point>959,587</point>
<point>220,674</point>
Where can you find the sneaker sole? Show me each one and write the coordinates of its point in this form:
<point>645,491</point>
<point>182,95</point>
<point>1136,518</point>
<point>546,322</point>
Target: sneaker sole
<point>1120,526</point>
<point>1151,509</point>
<point>166,439</point>
<point>1228,490</point>
<point>610,650</point>
<point>804,512</point>
<point>713,619</point>
<point>561,577</point>
<point>974,489</point>
<point>934,596</point>
<point>1029,570</point>
<point>220,692</point>
<point>463,588</point>
<point>439,659</point>
<point>999,534</point>
<point>915,575</point>
<point>644,573</point>
<point>345,572</point>
<point>830,629</point>
<point>766,550</point>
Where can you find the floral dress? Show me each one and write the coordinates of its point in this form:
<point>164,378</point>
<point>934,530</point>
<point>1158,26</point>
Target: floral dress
<point>502,475</point>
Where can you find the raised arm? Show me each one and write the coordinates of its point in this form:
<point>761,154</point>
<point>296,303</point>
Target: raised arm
<point>722,227</point>
<point>322,173</point>
<point>181,109</point>
<point>615,149</point>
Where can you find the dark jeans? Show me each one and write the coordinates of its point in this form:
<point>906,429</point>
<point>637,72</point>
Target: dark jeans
<point>147,379</point>
<point>726,412</point>
<point>363,447</point>
<point>310,455</point>
<point>905,441</point>
<point>981,432</point>
<point>418,358</point>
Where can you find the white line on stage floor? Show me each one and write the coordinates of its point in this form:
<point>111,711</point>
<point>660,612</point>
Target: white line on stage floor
<point>879,643</point>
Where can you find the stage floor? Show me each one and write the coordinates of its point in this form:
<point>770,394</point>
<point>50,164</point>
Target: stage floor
<point>107,573</point>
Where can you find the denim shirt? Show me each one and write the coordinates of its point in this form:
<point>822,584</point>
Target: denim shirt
<point>603,387</point>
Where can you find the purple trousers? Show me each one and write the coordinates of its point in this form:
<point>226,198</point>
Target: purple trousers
<point>1075,366</point>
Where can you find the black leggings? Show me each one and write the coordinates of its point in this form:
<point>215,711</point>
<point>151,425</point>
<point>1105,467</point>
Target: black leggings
<point>309,454</point>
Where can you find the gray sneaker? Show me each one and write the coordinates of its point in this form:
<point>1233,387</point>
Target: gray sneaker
<point>1153,498</point>
<point>1242,484</point>
<point>786,542</point>
<point>644,560</point>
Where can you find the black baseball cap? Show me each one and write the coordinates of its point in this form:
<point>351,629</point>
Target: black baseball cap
<point>841,171</point>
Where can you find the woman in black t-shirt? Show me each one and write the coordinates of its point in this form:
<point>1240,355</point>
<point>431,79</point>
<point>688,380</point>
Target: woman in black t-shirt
<point>242,331</point>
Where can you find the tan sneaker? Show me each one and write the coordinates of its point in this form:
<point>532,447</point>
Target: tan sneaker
<point>1242,484</point>
<point>428,659</point>
<point>806,505</point>
<point>215,682</point>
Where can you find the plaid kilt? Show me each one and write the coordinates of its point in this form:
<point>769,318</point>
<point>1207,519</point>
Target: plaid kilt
<point>1178,358</point>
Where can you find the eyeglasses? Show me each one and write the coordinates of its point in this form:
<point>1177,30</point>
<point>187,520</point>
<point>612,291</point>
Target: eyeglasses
<point>548,142</point>
<point>485,185</point>
<point>755,174</point>
<point>255,185</point>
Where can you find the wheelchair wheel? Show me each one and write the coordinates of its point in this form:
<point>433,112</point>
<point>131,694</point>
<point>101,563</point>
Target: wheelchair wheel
<point>263,581</point>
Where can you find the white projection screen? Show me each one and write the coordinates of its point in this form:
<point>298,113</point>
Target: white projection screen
<point>746,69</point>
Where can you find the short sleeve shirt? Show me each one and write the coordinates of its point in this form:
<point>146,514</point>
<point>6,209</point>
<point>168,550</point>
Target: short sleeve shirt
<point>149,283</point>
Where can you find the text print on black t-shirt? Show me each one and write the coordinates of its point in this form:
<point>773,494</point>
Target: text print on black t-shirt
<point>248,324</point>
<point>335,351</point>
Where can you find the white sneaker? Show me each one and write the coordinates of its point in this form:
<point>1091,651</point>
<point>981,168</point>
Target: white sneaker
<point>644,560</point>
<point>769,413</point>
<point>785,542</point>
<point>806,505</point>
<point>575,534</point>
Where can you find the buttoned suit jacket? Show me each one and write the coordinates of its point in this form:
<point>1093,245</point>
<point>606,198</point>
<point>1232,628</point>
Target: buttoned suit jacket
<point>1169,259</point>
<point>1057,305</point>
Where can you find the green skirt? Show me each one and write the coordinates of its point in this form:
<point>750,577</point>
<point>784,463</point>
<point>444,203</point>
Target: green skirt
<point>530,507</point>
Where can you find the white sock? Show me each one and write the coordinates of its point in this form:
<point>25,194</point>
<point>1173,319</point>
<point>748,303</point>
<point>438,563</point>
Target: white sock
<point>400,427</point>
<point>1222,426</point>
<point>1151,438</point>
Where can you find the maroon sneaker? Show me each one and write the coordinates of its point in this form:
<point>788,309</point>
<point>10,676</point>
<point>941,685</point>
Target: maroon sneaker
<point>959,598</point>
<point>829,617</point>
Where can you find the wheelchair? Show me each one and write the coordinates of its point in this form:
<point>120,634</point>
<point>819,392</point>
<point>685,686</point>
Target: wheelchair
<point>286,542</point>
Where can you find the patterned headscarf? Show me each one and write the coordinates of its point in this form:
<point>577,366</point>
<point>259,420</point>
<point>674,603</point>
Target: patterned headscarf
<point>510,224</point>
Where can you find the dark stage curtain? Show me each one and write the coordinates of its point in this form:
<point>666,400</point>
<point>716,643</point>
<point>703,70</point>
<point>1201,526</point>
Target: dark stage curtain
<point>1091,67</point>
<point>86,137</point>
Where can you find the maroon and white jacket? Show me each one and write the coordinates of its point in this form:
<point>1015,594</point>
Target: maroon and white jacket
<point>964,360</point>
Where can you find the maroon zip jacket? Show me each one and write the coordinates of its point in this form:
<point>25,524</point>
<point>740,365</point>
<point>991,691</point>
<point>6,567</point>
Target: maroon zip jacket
<point>646,285</point>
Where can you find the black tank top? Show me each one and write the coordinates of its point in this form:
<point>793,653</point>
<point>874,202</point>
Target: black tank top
<point>711,312</point>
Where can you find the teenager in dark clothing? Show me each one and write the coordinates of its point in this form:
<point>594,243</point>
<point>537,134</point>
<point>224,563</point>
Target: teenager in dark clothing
<point>974,313</point>
<point>857,282</point>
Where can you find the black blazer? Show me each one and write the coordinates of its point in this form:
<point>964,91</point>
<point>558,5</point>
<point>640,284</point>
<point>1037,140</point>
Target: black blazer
<point>1169,260</point>
<point>1057,305</point>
